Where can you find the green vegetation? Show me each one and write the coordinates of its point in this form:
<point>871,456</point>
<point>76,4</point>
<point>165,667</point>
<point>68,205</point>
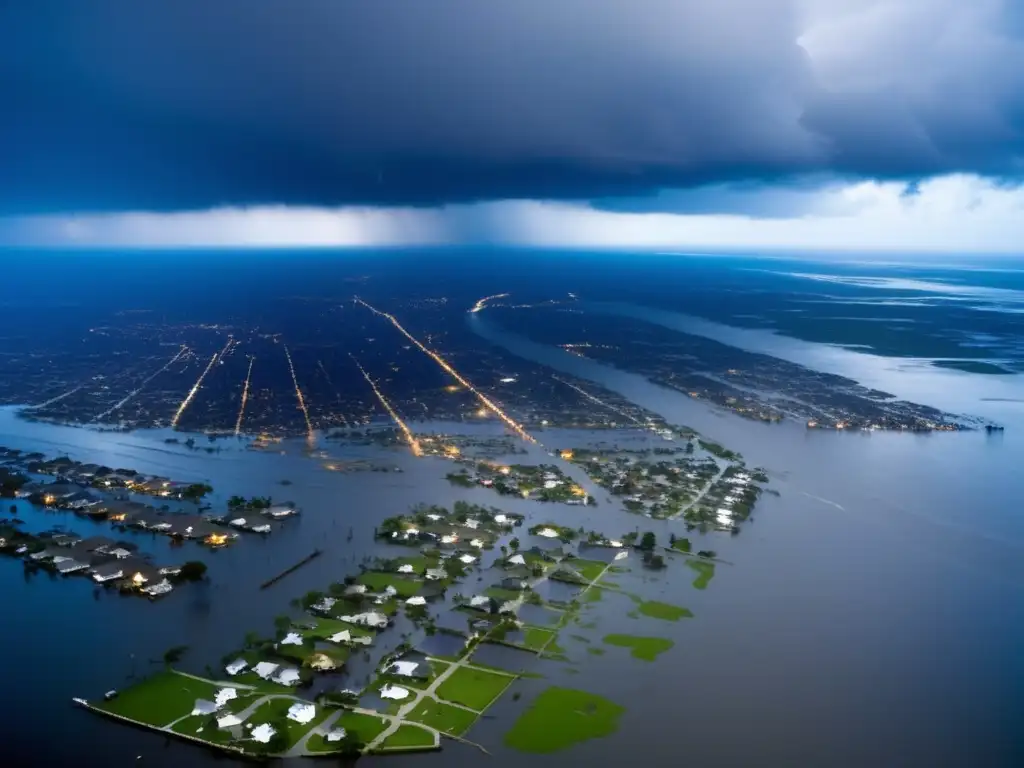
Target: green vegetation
<point>564,533</point>
<point>443,717</point>
<point>588,569</point>
<point>718,450</point>
<point>681,545</point>
<point>193,570</point>
<point>664,611</point>
<point>363,729</point>
<point>705,572</point>
<point>408,737</point>
<point>595,651</point>
<point>462,479</point>
<point>535,639</point>
<point>203,727</point>
<point>160,699</point>
<point>196,491</point>
<point>474,688</point>
<point>646,648</point>
<point>378,581</point>
<point>562,717</point>
<point>275,712</point>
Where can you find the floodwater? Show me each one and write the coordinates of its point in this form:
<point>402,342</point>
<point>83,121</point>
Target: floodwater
<point>873,613</point>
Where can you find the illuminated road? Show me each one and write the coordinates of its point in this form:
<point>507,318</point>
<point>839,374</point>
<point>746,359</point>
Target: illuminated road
<point>484,400</point>
<point>124,401</point>
<point>298,394</point>
<point>483,302</point>
<point>59,397</point>
<point>602,403</point>
<point>199,382</point>
<point>410,438</point>
<point>337,394</point>
<point>245,396</point>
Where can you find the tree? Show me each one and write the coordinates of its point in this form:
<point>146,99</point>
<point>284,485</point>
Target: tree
<point>652,560</point>
<point>312,598</point>
<point>514,545</point>
<point>193,570</point>
<point>196,491</point>
<point>282,623</point>
<point>252,640</point>
<point>648,541</point>
<point>173,655</point>
<point>236,502</point>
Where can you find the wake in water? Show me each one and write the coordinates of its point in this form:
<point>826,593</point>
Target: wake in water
<point>823,501</point>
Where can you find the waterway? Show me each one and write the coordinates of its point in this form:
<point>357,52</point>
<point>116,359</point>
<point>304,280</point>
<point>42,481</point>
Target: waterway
<point>873,614</point>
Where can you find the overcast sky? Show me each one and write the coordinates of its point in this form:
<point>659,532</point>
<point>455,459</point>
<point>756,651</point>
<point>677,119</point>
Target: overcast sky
<point>874,124</point>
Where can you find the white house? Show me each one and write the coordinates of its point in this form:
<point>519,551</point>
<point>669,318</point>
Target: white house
<point>236,666</point>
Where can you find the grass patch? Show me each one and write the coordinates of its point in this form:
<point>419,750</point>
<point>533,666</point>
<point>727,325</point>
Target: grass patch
<point>443,717</point>
<point>473,688</point>
<point>663,611</point>
<point>436,669</point>
<point>502,595</point>
<point>705,572</point>
<point>378,581</point>
<point>535,638</point>
<point>562,717</point>
<point>365,727</point>
<point>595,651</point>
<point>275,712</point>
<point>645,648</point>
<point>593,595</point>
<point>160,699</point>
<point>588,569</point>
<point>192,724</point>
<point>408,737</point>
<point>326,628</point>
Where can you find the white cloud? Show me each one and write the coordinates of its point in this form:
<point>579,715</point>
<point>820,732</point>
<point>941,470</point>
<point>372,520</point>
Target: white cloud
<point>951,213</point>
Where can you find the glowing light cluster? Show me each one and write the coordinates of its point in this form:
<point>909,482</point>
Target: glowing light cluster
<point>483,302</point>
<point>245,396</point>
<point>410,438</point>
<point>484,400</point>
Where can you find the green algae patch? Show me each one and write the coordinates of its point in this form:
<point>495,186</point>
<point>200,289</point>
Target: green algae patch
<point>645,648</point>
<point>705,573</point>
<point>663,611</point>
<point>562,717</point>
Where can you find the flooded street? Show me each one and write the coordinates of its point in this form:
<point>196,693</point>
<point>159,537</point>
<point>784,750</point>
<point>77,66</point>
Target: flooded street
<point>845,631</point>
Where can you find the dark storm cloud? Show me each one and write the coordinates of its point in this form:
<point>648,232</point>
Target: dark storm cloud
<point>187,104</point>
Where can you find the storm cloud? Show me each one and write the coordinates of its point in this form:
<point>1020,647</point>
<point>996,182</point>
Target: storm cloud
<point>190,104</point>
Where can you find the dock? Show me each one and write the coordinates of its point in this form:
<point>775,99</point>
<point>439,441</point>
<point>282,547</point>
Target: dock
<point>307,559</point>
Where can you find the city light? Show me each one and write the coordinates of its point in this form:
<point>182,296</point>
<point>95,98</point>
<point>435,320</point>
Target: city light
<point>483,302</point>
<point>410,438</point>
<point>298,395</point>
<point>484,400</point>
<point>245,396</point>
<point>599,401</point>
<point>123,401</point>
<point>199,382</point>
